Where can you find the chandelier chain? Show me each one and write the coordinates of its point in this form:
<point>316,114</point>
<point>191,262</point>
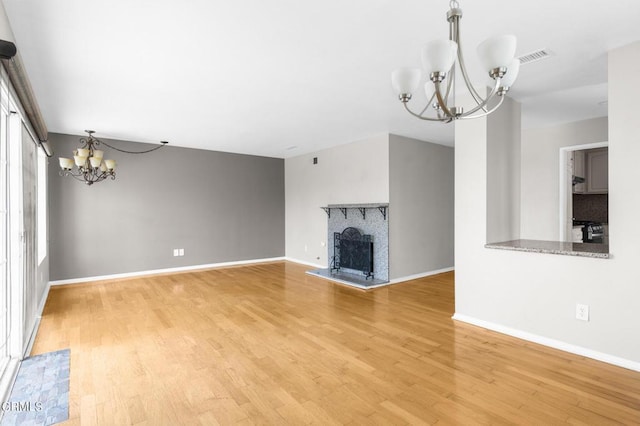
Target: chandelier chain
<point>134,152</point>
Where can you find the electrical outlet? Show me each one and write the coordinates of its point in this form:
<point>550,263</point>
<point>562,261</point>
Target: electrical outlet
<point>176,252</point>
<point>181,252</point>
<point>582,312</point>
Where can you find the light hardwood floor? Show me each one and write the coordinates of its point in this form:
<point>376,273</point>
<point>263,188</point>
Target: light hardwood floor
<point>268,344</point>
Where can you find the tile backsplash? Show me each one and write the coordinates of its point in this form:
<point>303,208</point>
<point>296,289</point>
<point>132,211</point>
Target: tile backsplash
<point>593,207</point>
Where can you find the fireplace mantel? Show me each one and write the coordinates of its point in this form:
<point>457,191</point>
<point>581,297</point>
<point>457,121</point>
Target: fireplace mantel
<point>382,208</point>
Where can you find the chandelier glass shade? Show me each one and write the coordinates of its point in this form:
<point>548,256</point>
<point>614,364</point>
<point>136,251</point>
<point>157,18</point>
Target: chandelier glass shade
<point>88,165</point>
<point>439,57</point>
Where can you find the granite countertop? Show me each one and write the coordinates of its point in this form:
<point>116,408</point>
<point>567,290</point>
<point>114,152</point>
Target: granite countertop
<point>600,251</point>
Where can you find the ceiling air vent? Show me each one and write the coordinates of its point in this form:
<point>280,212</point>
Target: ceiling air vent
<point>538,55</point>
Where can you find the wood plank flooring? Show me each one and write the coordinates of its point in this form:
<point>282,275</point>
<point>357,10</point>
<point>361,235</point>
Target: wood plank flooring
<point>267,344</point>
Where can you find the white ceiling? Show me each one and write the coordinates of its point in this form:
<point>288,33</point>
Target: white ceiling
<point>261,77</point>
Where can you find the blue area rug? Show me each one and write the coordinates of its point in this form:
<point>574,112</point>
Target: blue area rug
<point>40,395</point>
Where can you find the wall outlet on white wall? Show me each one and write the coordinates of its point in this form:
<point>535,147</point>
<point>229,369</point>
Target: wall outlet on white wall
<point>181,252</point>
<point>582,312</point>
<point>176,252</point>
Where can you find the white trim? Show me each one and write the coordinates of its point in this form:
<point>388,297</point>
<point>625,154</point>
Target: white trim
<point>164,271</point>
<point>556,344</point>
<point>43,299</point>
<point>421,275</point>
<point>32,338</point>
<point>302,262</point>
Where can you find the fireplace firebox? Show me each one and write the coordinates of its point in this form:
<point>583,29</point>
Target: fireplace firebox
<point>353,250</point>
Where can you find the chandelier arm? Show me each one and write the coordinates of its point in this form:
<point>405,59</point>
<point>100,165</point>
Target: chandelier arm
<point>88,176</point>
<point>429,103</point>
<point>476,96</point>
<point>465,76</point>
<point>486,101</point>
<point>79,177</point>
<point>70,173</point>
<point>446,120</point>
<point>441,101</point>
<point>485,113</point>
<point>450,83</point>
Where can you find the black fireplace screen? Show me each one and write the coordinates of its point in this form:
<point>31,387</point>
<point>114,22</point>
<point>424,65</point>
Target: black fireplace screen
<point>352,250</point>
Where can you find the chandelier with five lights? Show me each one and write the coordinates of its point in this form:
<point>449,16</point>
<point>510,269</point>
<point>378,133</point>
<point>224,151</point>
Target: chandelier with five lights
<point>438,60</point>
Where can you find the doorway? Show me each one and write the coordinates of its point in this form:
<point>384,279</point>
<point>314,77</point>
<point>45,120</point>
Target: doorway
<point>586,160</point>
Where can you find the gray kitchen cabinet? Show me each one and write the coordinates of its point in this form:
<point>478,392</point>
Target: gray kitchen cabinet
<point>597,164</point>
<point>593,165</point>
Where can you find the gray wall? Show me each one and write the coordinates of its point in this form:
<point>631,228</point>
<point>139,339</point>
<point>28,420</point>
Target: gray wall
<point>503,173</point>
<point>421,220</point>
<point>219,207</point>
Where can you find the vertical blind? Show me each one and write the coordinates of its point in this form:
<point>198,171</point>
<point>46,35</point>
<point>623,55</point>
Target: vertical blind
<point>29,229</point>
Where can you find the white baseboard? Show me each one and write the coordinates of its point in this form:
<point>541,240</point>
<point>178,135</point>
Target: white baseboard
<point>43,299</point>
<point>302,262</point>
<point>164,271</point>
<point>420,275</point>
<point>552,343</point>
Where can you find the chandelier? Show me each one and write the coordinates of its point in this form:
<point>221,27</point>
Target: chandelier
<point>90,167</point>
<point>438,60</point>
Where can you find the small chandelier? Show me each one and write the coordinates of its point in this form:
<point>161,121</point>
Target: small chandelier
<point>438,60</point>
<point>90,166</point>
